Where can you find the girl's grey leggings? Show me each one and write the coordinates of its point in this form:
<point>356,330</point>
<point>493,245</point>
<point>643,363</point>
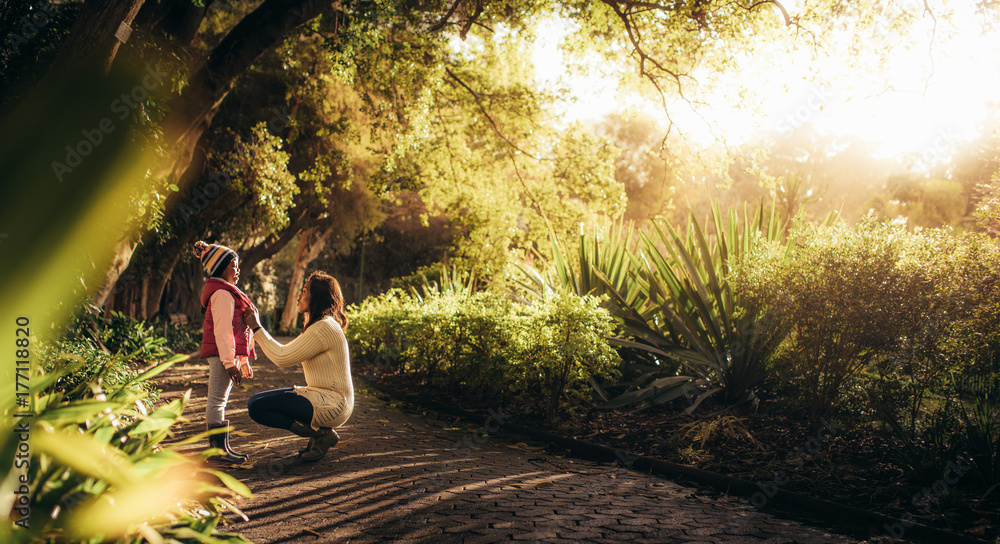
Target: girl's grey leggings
<point>219,386</point>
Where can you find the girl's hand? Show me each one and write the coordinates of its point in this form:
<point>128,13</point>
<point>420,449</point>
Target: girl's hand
<point>247,370</point>
<point>234,374</point>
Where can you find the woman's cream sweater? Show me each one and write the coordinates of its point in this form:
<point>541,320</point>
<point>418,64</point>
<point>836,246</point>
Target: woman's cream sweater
<point>322,351</point>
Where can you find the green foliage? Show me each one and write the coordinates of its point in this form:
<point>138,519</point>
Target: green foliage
<point>493,158</point>
<point>562,344</point>
<point>183,338</point>
<point>926,202</point>
<point>259,169</point>
<point>92,366</point>
<point>945,278</point>
<point>844,297</point>
<point>439,279</point>
<point>982,437</point>
<point>724,338</point>
<point>105,349</point>
<point>987,211</point>
<point>99,473</point>
<point>672,297</point>
<point>908,309</point>
<point>485,344</point>
<point>604,265</point>
<point>132,337</point>
<point>886,323</point>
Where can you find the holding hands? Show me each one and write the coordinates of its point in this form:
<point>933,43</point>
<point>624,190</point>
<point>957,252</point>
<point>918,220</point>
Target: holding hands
<point>234,374</point>
<point>243,370</point>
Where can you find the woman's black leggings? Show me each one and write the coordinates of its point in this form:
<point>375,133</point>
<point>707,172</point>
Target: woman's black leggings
<point>279,408</point>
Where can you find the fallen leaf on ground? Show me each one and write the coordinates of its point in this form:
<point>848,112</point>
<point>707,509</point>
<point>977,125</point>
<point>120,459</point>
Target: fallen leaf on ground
<point>523,446</point>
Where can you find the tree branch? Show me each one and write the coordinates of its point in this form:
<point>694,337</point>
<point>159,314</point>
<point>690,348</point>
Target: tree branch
<point>91,45</point>
<point>444,20</point>
<point>633,36</point>
<point>242,46</point>
<point>510,145</point>
<point>472,19</point>
<point>478,98</point>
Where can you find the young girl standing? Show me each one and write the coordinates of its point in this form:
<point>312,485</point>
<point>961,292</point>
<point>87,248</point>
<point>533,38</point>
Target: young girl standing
<point>227,341</point>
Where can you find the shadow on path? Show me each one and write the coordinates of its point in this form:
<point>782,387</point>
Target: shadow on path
<point>397,477</point>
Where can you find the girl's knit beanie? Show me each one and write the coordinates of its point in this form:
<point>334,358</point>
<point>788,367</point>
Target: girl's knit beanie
<point>212,256</point>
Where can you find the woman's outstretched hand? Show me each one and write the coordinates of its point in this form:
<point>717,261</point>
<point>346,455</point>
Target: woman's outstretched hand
<point>251,318</point>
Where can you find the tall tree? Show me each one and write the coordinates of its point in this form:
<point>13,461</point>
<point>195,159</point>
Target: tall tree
<point>401,59</point>
<point>192,112</point>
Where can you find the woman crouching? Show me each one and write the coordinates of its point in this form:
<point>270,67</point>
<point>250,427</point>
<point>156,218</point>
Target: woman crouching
<point>327,399</point>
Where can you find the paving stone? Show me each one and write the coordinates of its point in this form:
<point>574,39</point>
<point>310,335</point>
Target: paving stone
<point>397,477</point>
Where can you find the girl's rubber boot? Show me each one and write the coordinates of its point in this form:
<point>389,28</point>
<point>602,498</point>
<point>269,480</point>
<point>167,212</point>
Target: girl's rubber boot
<point>319,441</point>
<point>221,441</point>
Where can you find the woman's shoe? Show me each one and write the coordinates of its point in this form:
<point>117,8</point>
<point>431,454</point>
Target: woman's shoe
<point>307,447</point>
<point>326,439</point>
<point>319,441</point>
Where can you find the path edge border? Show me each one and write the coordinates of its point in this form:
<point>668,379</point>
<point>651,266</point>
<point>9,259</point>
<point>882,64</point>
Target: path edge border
<point>787,501</point>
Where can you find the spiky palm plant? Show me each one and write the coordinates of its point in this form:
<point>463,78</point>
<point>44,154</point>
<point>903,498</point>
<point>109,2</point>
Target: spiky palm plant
<point>672,296</point>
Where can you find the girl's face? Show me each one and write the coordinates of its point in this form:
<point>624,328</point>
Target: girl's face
<point>232,273</point>
<point>304,299</point>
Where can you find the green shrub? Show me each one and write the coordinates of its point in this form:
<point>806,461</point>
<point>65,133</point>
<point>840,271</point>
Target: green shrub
<point>900,311</point>
<point>485,344</point>
<point>127,335</point>
<point>375,333</point>
<point>843,294</point>
<point>182,338</point>
<point>912,392</point>
<point>98,470</point>
<point>670,291</point>
<point>105,350</point>
<point>92,366</point>
<point>562,341</point>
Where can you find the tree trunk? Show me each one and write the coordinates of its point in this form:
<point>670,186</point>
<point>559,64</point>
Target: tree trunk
<point>311,243</point>
<point>122,255</point>
<point>92,44</point>
<point>192,112</point>
<point>252,256</point>
<point>143,297</point>
<point>157,286</point>
<point>177,18</point>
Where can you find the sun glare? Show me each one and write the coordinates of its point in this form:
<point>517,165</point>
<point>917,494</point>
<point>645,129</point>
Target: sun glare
<point>922,99</point>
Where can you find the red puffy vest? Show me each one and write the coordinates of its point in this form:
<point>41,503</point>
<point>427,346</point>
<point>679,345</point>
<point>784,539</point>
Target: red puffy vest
<point>241,332</point>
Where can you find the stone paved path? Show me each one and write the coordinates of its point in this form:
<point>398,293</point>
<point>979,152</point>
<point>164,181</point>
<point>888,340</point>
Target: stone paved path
<point>399,477</point>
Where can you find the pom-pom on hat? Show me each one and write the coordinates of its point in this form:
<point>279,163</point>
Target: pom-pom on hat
<point>213,256</point>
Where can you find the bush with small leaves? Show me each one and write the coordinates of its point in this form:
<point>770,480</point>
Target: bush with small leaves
<point>485,344</point>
